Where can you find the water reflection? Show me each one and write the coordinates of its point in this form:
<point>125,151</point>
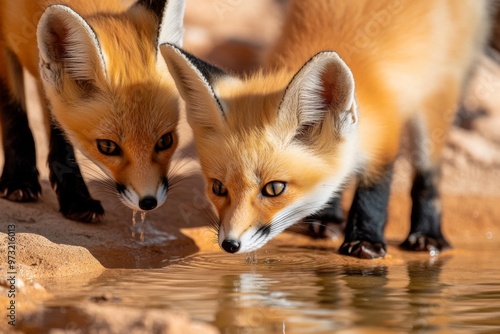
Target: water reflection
<point>246,304</point>
<point>292,291</point>
<point>425,294</point>
<point>370,295</point>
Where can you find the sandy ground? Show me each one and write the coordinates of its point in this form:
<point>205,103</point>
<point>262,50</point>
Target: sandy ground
<point>225,33</point>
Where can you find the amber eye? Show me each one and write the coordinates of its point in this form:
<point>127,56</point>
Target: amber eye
<point>274,189</point>
<point>108,147</point>
<point>218,188</point>
<point>165,142</point>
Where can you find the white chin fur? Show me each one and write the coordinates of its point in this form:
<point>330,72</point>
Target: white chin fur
<point>130,199</point>
<point>161,195</point>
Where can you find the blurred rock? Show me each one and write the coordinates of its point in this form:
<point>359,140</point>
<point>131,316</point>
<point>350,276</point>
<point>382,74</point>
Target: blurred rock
<point>92,318</point>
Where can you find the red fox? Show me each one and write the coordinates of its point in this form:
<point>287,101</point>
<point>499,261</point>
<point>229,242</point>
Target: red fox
<point>331,102</point>
<point>97,70</point>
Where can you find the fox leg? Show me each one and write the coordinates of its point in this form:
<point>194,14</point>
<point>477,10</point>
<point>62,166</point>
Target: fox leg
<point>19,180</point>
<point>425,231</point>
<point>331,217</point>
<point>75,202</point>
<point>364,232</point>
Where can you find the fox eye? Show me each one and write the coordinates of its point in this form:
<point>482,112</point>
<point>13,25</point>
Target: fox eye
<point>274,189</point>
<point>218,188</point>
<point>108,147</point>
<point>165,142</point>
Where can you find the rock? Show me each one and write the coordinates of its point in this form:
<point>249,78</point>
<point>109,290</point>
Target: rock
<point>38,257</point>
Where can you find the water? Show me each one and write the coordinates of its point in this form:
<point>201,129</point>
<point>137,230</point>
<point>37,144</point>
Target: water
<point>135,228</point>
<point>293,290</point>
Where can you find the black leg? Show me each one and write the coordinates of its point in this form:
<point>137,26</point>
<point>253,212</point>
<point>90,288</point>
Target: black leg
<point>74,198</point>
<point>19,180</point>
<point>425,232</point>
<point>364,234</point>
<point>331,218</point>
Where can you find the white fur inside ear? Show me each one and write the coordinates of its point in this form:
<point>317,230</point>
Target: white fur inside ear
<point>323,85</point>
<point>65,37</point>
<point>309,90</point>
<point>172,27</point>
<point>203,107</point>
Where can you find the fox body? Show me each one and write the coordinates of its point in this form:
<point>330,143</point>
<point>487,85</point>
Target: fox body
<point>276,145</point>
<point>95,63</point>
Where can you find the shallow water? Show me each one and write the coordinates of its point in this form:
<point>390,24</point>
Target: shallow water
<point>290,290</point>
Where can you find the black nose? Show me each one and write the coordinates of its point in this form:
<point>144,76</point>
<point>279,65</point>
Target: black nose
<point>148,203</point>
<point>231,245</point>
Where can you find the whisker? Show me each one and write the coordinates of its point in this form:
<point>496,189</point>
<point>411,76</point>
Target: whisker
<point>174,176</point>
<point>282,222</point>
<point>211,219</point>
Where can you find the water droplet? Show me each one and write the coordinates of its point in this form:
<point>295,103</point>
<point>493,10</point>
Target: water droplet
<point>489,235</point>
<point>271,261</point>
<point>251,258</point>
<point>134,213</point>
<point>143,227</point>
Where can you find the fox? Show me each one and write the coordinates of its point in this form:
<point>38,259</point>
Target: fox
<point>105,90</point>
<point>330,103</point>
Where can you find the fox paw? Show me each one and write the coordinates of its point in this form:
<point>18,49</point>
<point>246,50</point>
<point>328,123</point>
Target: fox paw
<point>422,243</point>
<point>363,249</point>
<point>317,230</point>
<point>17,188</point>
<point>325,230</point>
<point>328,223</point>
<point>88,211</point>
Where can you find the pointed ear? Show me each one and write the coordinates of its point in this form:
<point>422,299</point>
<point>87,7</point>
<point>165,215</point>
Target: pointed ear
<point>170,15</point>
<point>68,45</point>
<point>323,87</point>
<point>194,79</point>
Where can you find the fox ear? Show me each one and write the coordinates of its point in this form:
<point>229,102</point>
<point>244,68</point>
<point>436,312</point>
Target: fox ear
<point>194,78</point>
<point>170,15</point>
<point>323,87</point>
<point>68,45</point>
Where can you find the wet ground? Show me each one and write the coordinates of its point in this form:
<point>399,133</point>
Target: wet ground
<point>306,290</point>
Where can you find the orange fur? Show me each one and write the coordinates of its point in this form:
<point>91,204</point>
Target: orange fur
<point>19,21</point>
<point>409,61</point>
<point>430,43</point>
<point>133,104</point>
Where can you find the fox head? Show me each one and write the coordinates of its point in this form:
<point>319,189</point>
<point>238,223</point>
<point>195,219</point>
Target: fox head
<point>274,146</point>
<point>109,93</point>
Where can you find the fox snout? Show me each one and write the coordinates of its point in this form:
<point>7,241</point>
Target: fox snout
<point>148,203</point>
<point>231,245</point>
<point>145,200</point>
<point>250,240</point>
